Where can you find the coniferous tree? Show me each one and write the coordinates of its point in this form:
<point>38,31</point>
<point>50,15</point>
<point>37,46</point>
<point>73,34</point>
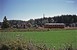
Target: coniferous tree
<point>5,23</point>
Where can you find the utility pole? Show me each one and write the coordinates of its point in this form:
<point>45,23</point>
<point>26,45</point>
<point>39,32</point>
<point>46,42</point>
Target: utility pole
<point>43,15</point>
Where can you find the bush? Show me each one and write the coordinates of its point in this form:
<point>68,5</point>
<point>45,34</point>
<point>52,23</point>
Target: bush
<point>19,45</point>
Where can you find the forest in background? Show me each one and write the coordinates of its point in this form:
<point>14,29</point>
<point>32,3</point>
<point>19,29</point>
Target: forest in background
<point>68,20</point>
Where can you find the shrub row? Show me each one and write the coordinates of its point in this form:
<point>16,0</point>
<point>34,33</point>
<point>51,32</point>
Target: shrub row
<point>19,45</point>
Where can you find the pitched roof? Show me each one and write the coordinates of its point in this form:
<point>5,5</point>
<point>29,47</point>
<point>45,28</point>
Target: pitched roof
<point>54,24</point>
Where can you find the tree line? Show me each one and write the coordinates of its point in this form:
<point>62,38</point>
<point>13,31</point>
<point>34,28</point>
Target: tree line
<point>68,20</point>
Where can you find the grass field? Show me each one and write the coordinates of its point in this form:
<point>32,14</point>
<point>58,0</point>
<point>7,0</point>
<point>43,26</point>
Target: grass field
<point>51,38</point>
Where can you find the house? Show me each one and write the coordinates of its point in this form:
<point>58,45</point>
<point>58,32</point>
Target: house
<point>22,25</point>
<point>73,25</point>
<point>54,25</point>
<point>18,24</point>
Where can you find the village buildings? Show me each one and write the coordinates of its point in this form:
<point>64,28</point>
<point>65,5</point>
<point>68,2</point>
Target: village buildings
<point>54,25</point>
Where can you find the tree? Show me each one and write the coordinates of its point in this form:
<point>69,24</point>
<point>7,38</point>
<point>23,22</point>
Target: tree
<point>29,25</point>
<point>5,23</point>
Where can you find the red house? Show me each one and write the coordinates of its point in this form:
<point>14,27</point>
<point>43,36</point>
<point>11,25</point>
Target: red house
<point>54,25</point>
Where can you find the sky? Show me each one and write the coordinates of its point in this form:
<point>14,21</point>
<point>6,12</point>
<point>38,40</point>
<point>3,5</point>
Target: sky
<point>33,9</point>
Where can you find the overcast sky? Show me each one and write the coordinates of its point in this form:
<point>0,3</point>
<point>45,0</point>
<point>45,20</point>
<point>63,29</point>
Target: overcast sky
<point>31,9</point>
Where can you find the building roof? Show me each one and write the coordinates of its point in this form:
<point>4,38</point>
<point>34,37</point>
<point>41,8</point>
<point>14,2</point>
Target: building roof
<point>54,24</point>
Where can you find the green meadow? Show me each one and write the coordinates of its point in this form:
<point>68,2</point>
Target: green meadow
<point>51,38</point>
